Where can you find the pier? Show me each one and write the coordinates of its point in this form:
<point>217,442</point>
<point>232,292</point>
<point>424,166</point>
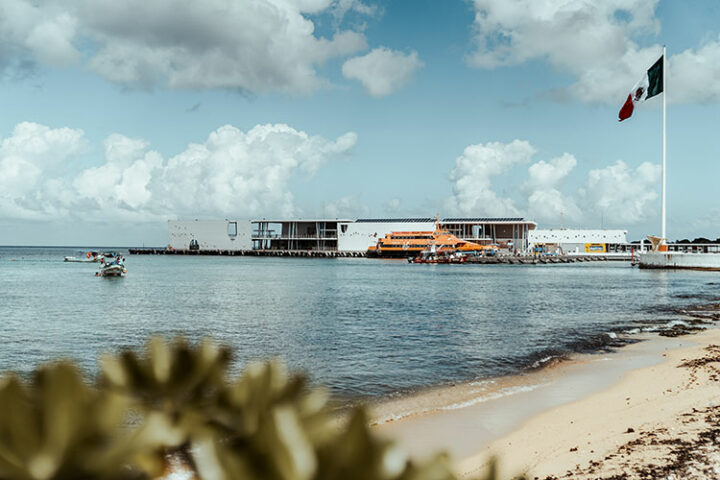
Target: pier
<point>494,260</point>
<point>247,253</point>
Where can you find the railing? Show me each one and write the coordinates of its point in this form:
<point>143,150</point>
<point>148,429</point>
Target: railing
<point>278,236</point>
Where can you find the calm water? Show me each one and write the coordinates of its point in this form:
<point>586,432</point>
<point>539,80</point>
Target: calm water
<point>363,327</point>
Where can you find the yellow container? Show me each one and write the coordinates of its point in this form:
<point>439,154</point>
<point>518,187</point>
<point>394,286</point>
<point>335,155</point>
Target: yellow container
<point>595,248</point>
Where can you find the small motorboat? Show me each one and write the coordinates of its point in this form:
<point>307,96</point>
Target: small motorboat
<point>112,266</point>
<point>90,257</point>
<point>435,255</point>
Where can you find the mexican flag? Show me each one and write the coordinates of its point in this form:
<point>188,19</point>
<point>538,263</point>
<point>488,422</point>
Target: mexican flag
<point>650,85</point>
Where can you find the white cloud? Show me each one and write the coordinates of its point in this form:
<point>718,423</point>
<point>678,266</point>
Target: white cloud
<point>254,45</point>
<point>471,177</point>
<point>545,201</point>
<point>232,173</point>
<point>382,71</point>
<point>694,74</point>
<point>348,207</point>
<point>393,205</point>
<point>29,34</point>
<point>624,195</point>
<point>596,42</point>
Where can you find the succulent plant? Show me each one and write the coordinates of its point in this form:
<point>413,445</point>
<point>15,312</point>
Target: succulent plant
<point>58,427</point>
<point>173,404</point>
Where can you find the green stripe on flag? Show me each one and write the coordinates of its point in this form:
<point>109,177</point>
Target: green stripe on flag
<point>655,79</point>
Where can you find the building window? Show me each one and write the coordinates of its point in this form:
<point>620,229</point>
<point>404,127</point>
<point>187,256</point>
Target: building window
<point>232,229</point>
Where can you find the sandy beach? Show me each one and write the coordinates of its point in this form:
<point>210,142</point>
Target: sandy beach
<point>651,410</point>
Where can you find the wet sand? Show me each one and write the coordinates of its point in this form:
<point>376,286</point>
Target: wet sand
<point>648,409</point>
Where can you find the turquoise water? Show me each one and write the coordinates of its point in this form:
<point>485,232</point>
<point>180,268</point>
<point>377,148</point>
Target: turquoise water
<point>363,327</point>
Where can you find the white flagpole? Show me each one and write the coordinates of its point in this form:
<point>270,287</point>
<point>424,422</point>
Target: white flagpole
<point>664,70</point>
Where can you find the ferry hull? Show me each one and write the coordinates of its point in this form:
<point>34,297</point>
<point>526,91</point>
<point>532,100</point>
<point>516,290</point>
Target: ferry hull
<point>680,260</point>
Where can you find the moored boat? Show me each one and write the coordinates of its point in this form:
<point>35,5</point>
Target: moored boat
<point>435,256</point>
<point>411,244</point>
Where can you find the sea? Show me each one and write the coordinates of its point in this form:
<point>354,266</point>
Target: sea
<point>364,328</point>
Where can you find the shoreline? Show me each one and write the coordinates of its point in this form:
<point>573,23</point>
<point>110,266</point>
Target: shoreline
<point>523,418</point>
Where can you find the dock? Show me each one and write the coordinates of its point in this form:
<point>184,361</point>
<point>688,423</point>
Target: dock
<point>247,253</point>
<point>494,260</point>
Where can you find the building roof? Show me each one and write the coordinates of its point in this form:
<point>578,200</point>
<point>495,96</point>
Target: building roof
<point>486,220</point>
<point>299,220</point>
<point>394,220</point>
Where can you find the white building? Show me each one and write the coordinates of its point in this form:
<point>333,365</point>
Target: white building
<point>358,236</point>
<point>210,234</point>
<point>580,241</point>
<point>343,235</point>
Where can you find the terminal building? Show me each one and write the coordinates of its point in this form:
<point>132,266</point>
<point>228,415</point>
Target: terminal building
<point>343,235</point>
<point>573,241</point>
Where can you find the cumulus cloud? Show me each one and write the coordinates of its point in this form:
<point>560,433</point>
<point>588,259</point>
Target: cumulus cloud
<point>348,207</point>
<point>393,205</point>
<point>694,74</point>
<point>471,177</point>
<point>254,45</point>
<point>622,194</point>
<point>29,34</point>
<point>596,42</point>
<point>382,71</point>
<point>545,200</point>
<point>232,173</point>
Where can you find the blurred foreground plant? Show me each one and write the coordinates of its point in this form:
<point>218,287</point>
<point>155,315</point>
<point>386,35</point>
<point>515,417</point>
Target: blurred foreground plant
<point>175,401</point>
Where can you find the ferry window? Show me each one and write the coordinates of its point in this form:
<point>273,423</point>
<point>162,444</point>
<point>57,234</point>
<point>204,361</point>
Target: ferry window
<point>343,228</point>
<point>232,229</point>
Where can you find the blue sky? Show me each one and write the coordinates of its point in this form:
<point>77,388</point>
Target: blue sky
<point>117,118</point>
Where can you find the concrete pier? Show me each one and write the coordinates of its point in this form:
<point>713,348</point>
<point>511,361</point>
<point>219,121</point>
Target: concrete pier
<point>248,253</point>
<point>494,260</point>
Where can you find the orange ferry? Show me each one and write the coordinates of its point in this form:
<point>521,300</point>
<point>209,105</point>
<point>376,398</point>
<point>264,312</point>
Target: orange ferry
<point>410,244</point>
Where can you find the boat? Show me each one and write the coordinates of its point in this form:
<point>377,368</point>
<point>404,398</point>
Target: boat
<point>90,257</point>
<point>411,244</point>
<point>112,266</point>
<point>433,255</point>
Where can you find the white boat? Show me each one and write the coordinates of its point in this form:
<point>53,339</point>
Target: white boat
<point>112,267</point>
<point>90,257</point>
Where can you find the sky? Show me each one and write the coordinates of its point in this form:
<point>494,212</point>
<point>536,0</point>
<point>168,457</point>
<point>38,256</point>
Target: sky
<point>119,116</point>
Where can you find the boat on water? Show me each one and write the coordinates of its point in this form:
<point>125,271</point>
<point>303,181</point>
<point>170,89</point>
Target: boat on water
<point>411,244</point>
<point>90,257</point>
<point>433,255</point>
<point>112,266</point>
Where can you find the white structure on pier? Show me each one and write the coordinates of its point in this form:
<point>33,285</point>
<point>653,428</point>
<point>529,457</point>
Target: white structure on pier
<point>343,235</point>
<point>580,241</point>
<point>209,234</point>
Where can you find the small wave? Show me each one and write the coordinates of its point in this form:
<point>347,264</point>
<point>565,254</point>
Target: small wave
<point>543,361</point>
<point>482,383</point>
<point>493,396</point>
<point>504,392</point>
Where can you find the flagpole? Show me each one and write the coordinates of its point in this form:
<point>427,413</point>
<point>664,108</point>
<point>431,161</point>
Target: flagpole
<point>664,70</point>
